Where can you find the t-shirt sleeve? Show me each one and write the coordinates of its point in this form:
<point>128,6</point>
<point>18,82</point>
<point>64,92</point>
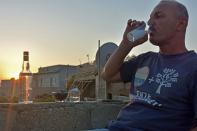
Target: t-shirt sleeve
<point>128,69</point>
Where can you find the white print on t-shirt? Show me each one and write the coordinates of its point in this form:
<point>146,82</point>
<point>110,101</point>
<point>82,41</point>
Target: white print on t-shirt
<point>165,78</point>
<point>141,76</point>
<point>145,97</point>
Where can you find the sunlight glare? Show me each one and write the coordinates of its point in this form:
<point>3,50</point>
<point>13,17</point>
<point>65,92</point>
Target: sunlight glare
<point>14,75</point>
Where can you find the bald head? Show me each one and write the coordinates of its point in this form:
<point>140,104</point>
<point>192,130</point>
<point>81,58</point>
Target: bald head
<point>181,9</point>
<point>168,23</point>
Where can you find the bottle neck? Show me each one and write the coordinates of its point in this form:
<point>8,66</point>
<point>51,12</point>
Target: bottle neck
<point>26,67</point>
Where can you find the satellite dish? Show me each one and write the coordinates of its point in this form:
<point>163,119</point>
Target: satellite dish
<point>104,52</point>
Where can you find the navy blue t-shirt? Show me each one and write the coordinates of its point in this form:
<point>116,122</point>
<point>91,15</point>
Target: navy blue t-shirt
<point>163,93</point>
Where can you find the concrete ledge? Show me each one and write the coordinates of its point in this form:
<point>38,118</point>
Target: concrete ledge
<point>57,116</point>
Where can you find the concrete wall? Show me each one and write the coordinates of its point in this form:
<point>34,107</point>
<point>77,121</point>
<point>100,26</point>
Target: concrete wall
<point>57,116</point>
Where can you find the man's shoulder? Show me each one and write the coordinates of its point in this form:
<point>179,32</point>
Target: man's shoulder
<point>149,54</point>
<point>192,56</point>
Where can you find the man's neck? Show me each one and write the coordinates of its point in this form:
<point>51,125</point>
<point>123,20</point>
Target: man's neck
<point>172,51</point>
<point>173,47</point>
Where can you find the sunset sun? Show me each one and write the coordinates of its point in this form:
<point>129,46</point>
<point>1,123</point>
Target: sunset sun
<point>14,75</point>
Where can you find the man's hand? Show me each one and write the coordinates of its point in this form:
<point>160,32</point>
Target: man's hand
<point>111,71</point>
<point>131,25</point>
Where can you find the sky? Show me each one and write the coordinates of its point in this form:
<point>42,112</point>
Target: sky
<point>66,31</point>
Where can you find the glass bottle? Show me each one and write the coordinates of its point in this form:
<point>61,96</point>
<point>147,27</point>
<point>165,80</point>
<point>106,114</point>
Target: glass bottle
<point>25,80</point>
<point>74,95</point>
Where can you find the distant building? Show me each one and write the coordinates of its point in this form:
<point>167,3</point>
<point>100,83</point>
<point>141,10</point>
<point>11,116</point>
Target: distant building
<point>55,78</point>
<point>52,78</point>
<point>9,88</point>
<point>87,82</point>
<point>7,83</point>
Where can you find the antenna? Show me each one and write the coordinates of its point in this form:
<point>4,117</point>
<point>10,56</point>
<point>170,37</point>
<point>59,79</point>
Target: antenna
<point>88,58</point>
<point>79,62</point>
<point>99,64</point>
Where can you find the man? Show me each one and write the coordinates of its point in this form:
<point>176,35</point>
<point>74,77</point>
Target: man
<point>164,93</point>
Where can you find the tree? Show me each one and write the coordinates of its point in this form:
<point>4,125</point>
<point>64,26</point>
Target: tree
<point>166,78</point>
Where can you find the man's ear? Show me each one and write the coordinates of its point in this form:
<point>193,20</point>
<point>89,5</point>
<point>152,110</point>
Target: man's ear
<point>181,24</point>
